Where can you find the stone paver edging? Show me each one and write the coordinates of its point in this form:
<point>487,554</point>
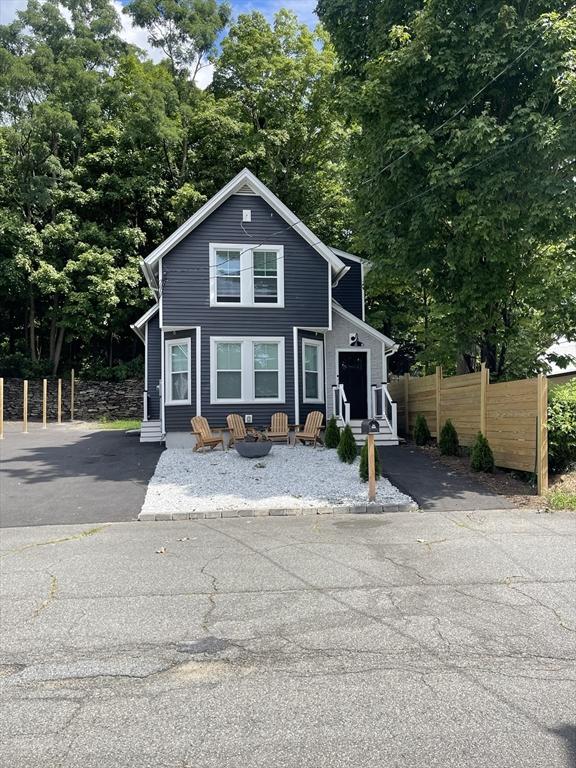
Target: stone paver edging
<point>363,509</point>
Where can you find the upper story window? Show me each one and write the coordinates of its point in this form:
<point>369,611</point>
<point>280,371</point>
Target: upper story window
<point>246,275</point>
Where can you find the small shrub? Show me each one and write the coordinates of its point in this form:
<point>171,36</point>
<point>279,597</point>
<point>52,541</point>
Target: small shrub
<point>448,441</point>
<point>562,427</point>
<point>347,449</point>
<point>481,457</point>
<point>422,434</point>
<point>332,436</point>
<point>364,463</point>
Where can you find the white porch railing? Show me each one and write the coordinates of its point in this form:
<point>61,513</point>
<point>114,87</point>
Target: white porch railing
<point>145,410</point>
<point>383,407</point>
<point>341,406</point>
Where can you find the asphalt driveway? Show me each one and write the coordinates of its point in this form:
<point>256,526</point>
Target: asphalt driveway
<point>72,474</point>
<point>405,640</point>
<point>433,485</point>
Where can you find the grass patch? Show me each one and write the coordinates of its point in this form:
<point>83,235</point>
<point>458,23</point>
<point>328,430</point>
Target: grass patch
<point>119,424</point>
<point>559,499</point>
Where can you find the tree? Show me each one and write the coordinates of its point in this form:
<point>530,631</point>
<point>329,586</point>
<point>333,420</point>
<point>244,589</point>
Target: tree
<point>185,30</point>
<point>279,79</point>
<point>464,181</point>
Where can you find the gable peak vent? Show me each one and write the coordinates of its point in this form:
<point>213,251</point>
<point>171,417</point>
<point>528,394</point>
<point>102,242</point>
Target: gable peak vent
<point>245,189</point>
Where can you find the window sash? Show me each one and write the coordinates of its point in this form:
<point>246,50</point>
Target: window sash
<point>246,275</point>
<point>313,371</point>
<point>260,377</point>
<point>178,379</point>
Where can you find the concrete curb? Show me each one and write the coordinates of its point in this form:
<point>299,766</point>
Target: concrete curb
<point>365,509</point>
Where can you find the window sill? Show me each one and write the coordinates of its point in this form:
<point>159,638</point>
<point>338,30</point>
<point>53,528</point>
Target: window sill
<point>260,401</point>
<point>178,402</point>
<point>237,305</point>
<point>310,401</point>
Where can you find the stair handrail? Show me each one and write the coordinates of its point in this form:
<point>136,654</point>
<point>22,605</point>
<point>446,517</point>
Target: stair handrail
<point>341,406</point>
<point>386,409</point>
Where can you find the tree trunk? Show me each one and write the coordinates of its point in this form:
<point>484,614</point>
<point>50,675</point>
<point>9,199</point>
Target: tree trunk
<point>32,328</point>
<point>57,351</point>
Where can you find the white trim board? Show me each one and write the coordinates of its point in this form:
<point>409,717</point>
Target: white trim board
<point>148,315</point>
<point>352,257</point>
<point>241,180</point>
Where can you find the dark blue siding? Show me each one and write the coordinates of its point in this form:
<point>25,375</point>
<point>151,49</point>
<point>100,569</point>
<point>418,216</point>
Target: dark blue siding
<point>186,296</point>
<point>348,292</point>
<point>154,367</point>
<point>177,417</point>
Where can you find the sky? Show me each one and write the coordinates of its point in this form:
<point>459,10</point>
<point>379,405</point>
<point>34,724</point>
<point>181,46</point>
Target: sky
<point>303,8</point>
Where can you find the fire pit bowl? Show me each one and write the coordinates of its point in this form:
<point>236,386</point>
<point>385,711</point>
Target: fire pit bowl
<point>253,449</point>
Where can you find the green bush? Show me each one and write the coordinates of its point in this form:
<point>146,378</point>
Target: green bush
<point>481,457</point>
<point>448,441</point>
<point>562,426</point>
<point>364,462</point>
<point>347,449</point>
<point>332,436</point>
<point>422,434</point>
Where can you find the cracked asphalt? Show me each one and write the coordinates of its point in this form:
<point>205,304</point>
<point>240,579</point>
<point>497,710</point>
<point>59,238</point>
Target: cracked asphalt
<point>417,640</point>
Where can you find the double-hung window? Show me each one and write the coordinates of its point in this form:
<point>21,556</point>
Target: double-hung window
<point>178,372</point>
<point>313,371</point>
<point>246,275</point>
<point>247,370</point>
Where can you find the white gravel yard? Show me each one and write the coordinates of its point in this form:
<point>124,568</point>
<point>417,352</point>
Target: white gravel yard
<point>288,478</point>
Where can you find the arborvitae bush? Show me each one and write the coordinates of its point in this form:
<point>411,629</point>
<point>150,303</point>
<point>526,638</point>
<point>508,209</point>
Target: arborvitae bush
<point>562,426</point>
<point>347,449</point>
<point>332,436</point>
<point>448,441</point>
<point>364,462</point>
<point>422,434</point>
<point>481,457</point>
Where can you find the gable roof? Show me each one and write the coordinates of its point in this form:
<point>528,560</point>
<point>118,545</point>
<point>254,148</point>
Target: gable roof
<point>242,183</point>
<point>363,325</point>
<point>141,322</point>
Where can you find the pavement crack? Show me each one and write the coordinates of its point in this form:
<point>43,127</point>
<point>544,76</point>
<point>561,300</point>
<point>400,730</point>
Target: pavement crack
<point>75,537</point>
<point>52,595</point>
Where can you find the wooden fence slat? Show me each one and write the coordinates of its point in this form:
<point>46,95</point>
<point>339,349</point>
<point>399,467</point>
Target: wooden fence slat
<point>59,403</point>
<point>44,403</point>
<point>25,407</point>
<point>72,395</point>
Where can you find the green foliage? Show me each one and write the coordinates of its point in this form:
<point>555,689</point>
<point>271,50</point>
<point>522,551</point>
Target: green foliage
<point>347,448</point>
<point>332,436</point>
<point>363,469</point>
<point>481,456</point>
<point>448,442</point>
<point>562,426</point>
<point>464,193</point>
<point>103,153</point>
<point>559,499</point>
<point>422,434</point>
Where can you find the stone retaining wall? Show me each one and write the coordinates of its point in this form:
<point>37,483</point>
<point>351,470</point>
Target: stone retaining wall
<point>93,400</point>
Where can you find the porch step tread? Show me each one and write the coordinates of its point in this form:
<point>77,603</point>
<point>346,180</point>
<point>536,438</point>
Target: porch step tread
<point>151,432</point>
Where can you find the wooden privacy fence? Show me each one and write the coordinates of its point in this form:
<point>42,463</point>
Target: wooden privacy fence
<point>511,414</point>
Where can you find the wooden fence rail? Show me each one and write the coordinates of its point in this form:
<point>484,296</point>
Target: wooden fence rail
<point>511,414</point>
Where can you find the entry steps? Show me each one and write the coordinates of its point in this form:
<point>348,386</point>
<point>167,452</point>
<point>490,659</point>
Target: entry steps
<point>384,437</point>
<point>151,432</point>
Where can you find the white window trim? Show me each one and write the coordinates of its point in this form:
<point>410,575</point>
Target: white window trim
<point>168,344</point>
<point>248,372</point>
<point>320,346</point>
<point>247,275</point>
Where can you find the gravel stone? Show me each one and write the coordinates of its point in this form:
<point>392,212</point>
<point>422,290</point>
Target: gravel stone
<point>286,482</point>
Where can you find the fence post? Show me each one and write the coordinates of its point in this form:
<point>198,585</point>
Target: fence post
<point>25,407</point>
<point>59,404</point>
<point>484,380</point>
<point>542,426</point>
<point>438,400</point>
<point>44,402</point>
<point>1,409</point>
<point>406,403</point>
<point>72,395</point>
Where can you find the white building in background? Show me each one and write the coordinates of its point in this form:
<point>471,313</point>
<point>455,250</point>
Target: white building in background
<point>563,347</point>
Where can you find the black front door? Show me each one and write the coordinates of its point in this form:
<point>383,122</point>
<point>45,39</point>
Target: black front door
<point>353,373</point>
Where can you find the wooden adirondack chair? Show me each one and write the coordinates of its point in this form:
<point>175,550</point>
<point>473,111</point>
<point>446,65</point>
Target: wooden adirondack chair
<point>237,428</point>
<point>278,429</point>
<point>205,438</point>
<point>311,431</point>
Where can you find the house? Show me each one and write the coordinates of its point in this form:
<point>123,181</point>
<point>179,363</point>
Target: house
<point>253,315</point>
